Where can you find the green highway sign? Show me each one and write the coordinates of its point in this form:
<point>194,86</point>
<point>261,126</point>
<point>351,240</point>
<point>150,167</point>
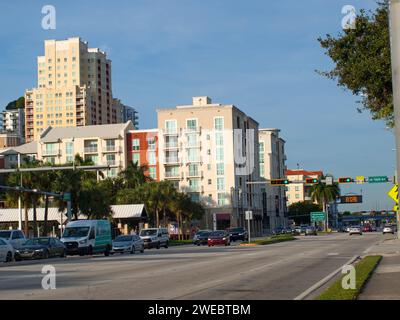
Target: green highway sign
<point>317,216</point>
<point>378,179</point>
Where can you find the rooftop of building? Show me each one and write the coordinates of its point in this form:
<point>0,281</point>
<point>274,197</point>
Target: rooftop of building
<point>27,148</point>
<point>298,172</point>
<point>204,102</point>
<point>102,131</point>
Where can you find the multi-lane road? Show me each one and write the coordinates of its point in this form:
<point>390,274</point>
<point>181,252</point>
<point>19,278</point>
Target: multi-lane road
<point>278,271</point>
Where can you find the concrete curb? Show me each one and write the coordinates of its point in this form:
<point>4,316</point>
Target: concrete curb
<point>320,283</point>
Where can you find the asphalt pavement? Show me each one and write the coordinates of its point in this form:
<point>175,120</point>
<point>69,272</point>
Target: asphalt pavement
<point>278,271</point>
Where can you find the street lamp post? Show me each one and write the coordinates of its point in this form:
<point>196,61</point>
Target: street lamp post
<point>394,18</point>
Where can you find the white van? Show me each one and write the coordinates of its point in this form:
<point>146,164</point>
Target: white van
<point>155,237</point>
<point>87,237</point>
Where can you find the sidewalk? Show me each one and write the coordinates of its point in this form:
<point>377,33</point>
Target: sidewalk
<point>384,283</point>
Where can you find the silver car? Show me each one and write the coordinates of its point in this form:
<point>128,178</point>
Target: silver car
<point>128,243</point>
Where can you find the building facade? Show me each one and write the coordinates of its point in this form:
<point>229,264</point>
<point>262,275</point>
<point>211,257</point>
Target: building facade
<point>74,88</point>
<point>210,151</point>
<point>126,113</point>
<point>297,190</point>
<point>13,121</point>
<point>272,166</point>
<point>142,148</point>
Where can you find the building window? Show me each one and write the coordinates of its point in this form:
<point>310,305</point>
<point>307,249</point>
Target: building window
<point>219,123</point>
<point>220,169</point>
<point>110,159</point>
<point>153,173</point>
<point>170,126</point>
<point>194,184</point>
<point>191,125</point>
<point>136,158</point>
<point>221,184</point>
<point>195,197</point>
<point>297,196</point>
<point>110,145</point>
<point>220,154</point>
<point>151,156</point>
<point>93,158</point>
<point>297,188</point>
<point>69,151</point>
<point>135,144</point>
<point>151,143</point>
<point>209,181</point>
<point>193,170</point>
<point>219,139</point>
<point>221,199</point>
<point>51,149</point>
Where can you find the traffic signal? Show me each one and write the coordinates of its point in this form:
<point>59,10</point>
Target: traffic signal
<point>312,181</point>
<point>279,182</point>
<point>345,180</point>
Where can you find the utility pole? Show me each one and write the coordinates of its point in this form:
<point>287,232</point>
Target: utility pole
<point>394,20</point>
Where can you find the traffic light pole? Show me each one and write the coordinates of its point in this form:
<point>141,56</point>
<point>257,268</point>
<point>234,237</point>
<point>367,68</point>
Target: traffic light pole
<point>394,19</point>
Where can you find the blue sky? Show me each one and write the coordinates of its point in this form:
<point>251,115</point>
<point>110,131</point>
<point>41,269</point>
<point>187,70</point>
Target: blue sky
<point>259,55</point>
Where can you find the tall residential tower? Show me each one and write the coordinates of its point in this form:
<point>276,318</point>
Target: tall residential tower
<point>74,88</point>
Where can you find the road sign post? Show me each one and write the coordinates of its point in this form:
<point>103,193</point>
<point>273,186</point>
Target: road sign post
<point>394,30</point>
<point>249,216</point>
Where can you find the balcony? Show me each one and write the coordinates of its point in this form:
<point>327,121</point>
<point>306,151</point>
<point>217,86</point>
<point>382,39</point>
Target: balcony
<point>194,145</point>
<point>192,130</point>
<point>198,174</point>
<point>172,160</point>
<point>111,163</point>
<point>171,145</point>
<point>51,153</point>
<point>90,149</point>
<point>194,160</point>
<point>110,148</point>
<point>172,175</point>
<point>170,133</point>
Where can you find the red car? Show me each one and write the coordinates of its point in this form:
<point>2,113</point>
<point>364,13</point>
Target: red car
<point>218,237</point>
<point>367,229</point>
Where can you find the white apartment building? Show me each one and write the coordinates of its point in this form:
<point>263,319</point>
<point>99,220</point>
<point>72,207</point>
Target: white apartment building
<point>210,151</point>
<point>272,166</point>
<point>13,121</point>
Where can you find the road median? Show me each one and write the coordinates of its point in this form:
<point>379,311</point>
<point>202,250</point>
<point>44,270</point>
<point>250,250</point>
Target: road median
<point>364,269</point>
<point>270,240</point>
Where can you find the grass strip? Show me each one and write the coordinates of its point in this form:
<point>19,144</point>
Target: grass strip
<point>274,239</point>
<point>364,269</point>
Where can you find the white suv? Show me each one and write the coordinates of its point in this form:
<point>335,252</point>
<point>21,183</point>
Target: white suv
<point>155,237</point>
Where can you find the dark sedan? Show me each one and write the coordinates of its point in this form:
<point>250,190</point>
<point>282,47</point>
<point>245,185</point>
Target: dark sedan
<point>238,234</point>
<point>40,248</point>
<point>201,237</point>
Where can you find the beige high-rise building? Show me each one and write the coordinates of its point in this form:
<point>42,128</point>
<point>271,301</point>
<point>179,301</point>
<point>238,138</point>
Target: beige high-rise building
<point>272,166</point>
<point>73,89</point>
<point>210,151</point>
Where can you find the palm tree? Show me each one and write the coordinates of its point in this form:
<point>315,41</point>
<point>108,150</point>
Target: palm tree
<point>323,194</point>
<point>134,175</point>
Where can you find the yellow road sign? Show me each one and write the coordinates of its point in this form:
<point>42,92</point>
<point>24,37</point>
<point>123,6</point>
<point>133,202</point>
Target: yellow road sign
<point>396,208</point>
<point>360,179</point>
<point>394,193</point>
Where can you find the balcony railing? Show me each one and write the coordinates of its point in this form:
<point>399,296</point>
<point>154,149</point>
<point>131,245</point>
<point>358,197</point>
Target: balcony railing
<point>169,160</point>
<point>90,149</point>
<point>192,130</point>
<point>194,159</point>
<point>172,175</point>
<point>110,148</point>
<point>111,162</point>
<point>196,144</point>
<point>51,153</point>
<point>194,174</point>
<point>171,145</point>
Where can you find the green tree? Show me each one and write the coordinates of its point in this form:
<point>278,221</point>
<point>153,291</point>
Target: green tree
<point>134,175</point>
<point>362,62</point>
<point>323,194</point>
<point>94,200</point>
<point>300,211</point>
<point>16,104</point>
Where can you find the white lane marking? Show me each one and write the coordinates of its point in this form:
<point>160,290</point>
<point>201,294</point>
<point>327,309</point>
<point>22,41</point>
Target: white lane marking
<point>324,280</point>
<point>333,254</point>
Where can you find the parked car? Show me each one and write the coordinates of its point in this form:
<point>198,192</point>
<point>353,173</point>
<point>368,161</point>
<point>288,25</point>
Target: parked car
<point>14,237</point>
<point>355,230</point>
<point>278,230</point>
<point>388,229</point>
<point>373,229</point>
<point>155,237</point>
<point>6,251</point>
<point>238,234</point>
<point>310,231</point>
<point>201,237</point>
<point>40,248</point>
<point>219,237</point>
<point>87,237</point>
<point>128,243</point>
